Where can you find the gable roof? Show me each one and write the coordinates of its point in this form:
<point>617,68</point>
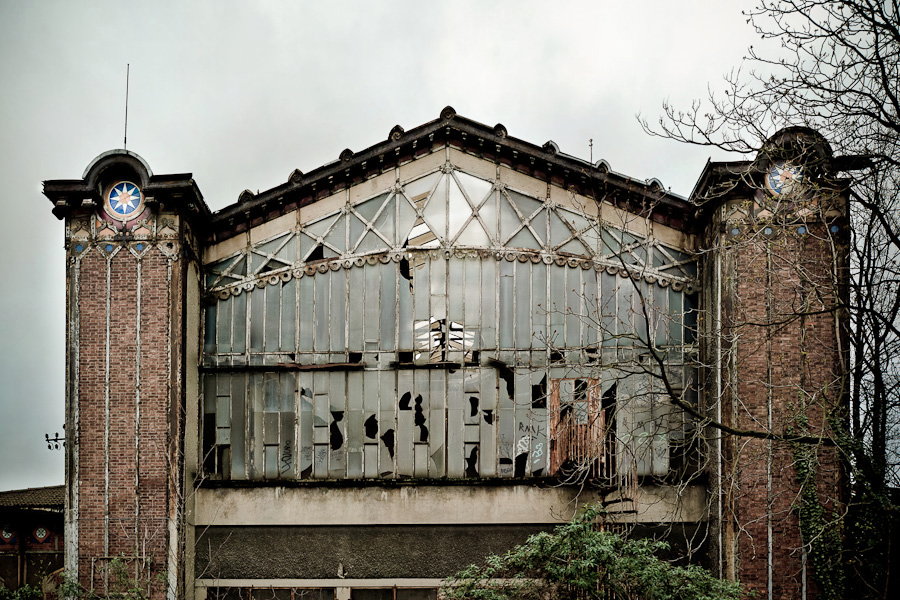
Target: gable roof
<point>490,143</point>
<point>51,497</point>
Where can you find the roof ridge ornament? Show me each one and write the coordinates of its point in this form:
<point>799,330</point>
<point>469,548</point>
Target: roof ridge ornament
<point>448,113</point>
<point>602,165</point>
<point>396,133</point>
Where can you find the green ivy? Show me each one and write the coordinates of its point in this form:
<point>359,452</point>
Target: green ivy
<point>578,561</point>
<point>26,592</point>
<point>821,531</point>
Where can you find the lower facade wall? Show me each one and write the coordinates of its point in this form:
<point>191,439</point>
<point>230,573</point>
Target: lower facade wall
<point>349,539</point>
<point>374,552</point>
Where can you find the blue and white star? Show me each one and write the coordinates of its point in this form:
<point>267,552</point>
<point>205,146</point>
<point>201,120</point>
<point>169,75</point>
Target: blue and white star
<point>124,198</point>
<point>783,178</point>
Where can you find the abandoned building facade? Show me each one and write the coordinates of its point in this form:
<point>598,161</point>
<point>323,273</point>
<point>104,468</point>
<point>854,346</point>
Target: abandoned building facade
<point>358,382</point>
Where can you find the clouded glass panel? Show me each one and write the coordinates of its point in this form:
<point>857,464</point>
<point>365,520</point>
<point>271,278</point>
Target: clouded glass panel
<point>476,188</point>
<point>473,235</point>
<point>458,209</point>
<point>421,186</point>
<point>369,208</point>
<point>524,239</point>
<point>319,228</point>
<point>435,212</point>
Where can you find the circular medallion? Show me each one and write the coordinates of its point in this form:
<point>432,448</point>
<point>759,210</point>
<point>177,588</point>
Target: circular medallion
<point>40,534</point>
<point>6,535</point>
<point>784,178</point>
<point>124,201</point>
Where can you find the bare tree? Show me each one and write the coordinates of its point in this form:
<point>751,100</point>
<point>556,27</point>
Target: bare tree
<point>837,71</point>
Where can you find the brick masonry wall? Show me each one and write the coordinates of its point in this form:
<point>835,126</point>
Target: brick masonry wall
<point>782,360</point>
<point>127,385</point>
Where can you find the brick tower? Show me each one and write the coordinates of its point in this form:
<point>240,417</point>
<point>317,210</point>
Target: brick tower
<point>776,264</point>
<point>132,289</point>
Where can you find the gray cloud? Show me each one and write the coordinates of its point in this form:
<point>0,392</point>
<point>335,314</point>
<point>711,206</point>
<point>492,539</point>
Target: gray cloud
<point>242,93</point>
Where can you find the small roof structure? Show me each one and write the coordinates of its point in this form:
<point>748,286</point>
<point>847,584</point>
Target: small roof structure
<point>39,498</point>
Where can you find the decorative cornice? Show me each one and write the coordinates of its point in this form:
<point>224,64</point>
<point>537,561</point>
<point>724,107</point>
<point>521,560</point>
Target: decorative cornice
<point>310,269</point>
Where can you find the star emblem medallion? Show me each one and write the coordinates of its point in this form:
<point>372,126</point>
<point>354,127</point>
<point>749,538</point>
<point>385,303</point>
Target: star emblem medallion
<point>124,201</point>
<point>784,178</point>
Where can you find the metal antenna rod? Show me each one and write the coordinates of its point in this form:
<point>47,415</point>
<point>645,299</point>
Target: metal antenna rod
<point>591,146</point>
<point>127,76</point>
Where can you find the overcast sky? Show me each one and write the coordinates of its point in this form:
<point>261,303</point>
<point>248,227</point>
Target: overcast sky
<point>240,93</point>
